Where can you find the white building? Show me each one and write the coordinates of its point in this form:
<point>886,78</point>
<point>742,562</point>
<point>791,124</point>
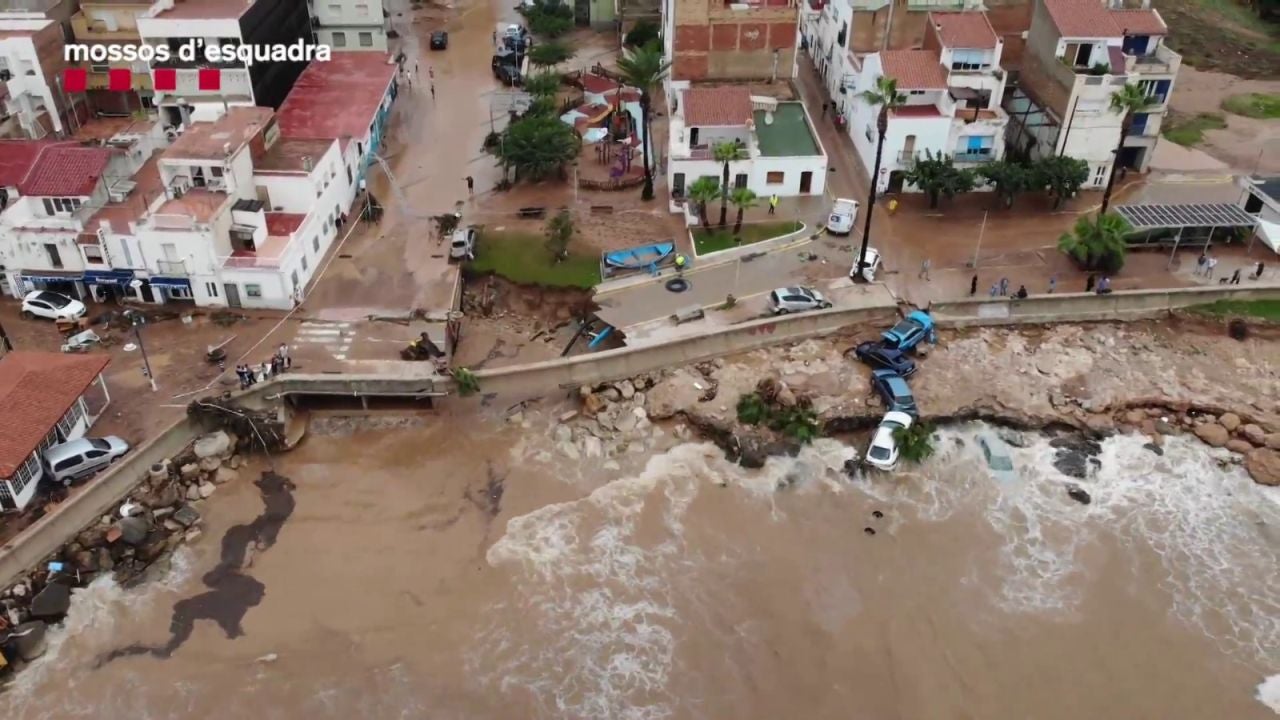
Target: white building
<point>783,154</point>
<point>30,48</point>
<point>48,398</point>
<point>350,24</point>
<point>828,32</point>
<point>953,88</point>
<point>1078,53</point>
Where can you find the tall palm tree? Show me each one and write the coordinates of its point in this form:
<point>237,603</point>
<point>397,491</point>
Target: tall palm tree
<point>726,152</point>
<point>702,191</point>
<point>643,69</point>
<point>1128,101</point>
<point>742,198</point>
<point>885,95</point>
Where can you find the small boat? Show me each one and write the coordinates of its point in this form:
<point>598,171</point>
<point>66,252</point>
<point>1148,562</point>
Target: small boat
<point>644,257</point>
<point>999,462</point>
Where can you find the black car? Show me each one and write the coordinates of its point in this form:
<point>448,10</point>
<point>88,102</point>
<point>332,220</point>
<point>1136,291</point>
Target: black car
<point>439,40</point>
<point>506,69</point>
<point>875,354</point>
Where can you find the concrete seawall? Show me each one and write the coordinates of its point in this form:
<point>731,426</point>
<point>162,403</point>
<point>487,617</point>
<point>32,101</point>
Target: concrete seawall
<point>1086,307</point>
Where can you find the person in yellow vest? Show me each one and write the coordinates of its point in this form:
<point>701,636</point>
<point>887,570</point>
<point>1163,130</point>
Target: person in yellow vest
<point>773,204</point>
<point>681,262</point>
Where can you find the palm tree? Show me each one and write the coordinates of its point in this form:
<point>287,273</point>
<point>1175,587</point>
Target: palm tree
<point>726,152</point>
<point>1127,101</point>
<point>702,191</point>
<point>1097,243</point>
<point>644,69</point>
<point>885,95</point>
<point>742,198</point>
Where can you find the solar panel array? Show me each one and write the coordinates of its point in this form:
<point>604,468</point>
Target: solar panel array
<point>1148,217</point>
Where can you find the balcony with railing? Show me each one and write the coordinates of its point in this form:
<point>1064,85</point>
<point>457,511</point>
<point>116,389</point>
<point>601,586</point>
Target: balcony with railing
<point>176,268</point>
<point>973,157</point>
<point>1161,61</point>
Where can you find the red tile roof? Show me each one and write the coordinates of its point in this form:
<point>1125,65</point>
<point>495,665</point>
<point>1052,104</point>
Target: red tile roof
<point>717,107</point>
<point>36,390</point>
<point>914,69</point>
<point>65,171</point>
<point>16,159</point>
<point>598,84</point>
<point>336,99</point>
<point>970,30</point>
<point>1092,19</point>
<point>283,224</point>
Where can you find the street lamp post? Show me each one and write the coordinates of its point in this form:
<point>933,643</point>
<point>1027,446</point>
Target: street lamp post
<point>136,319</point>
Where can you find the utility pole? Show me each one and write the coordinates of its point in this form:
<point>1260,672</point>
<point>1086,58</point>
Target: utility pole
<point>137,321</point>
<point>981,231</point>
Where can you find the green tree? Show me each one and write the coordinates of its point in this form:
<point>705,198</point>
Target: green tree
<point>937,175</point>
<point>742,198</point>
<point>915,443</point>
<point>547,54</point>
<point>559,232</point>
<point>543,84</point>
<point>1128,101</point>
<point>884,95</point>
<point>1097,243</point>
<point>538,148</point>
<point>549,18</point>
<point>644,70</point>
<point>702,191</point>
<point>1060,176</point>
<point>643,34</point>
<point>1008,178</point>
<point>726,152</point>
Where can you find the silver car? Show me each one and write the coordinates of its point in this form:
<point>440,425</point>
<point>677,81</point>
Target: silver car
<point>82,457</point>
<point>796,299</point>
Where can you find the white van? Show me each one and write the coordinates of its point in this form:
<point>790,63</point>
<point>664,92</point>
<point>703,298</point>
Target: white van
<point>82,457</point>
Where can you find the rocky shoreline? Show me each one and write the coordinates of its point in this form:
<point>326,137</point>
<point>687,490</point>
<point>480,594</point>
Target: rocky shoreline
<point>158,516</point>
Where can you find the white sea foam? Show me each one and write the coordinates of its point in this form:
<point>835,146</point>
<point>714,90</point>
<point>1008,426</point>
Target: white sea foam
<point>598,575</point>
<point>1269,693</point>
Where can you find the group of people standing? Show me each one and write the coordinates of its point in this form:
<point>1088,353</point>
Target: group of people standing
<point>253,374</point>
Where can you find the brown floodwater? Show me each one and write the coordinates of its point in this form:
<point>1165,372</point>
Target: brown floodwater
<point>450,567</point>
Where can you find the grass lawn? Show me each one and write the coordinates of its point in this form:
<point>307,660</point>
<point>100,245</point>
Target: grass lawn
<point>1263,106</point>
<point>709,242</point>
<point>1190,131</point>
<point>523,258</point>
<point>1263,309</point>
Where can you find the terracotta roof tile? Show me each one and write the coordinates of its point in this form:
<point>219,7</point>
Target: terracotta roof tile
<point>970,30</point>
<point>1092,19</point>
<point>36,390</point>
<point>717,107</point>
<point>283,224</point>
<point>598,84</point>
<point>65,171</point>
<point>914,69</point>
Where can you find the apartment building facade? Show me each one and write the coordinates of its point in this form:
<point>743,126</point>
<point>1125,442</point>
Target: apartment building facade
<point>32,103</point>
<point>359,25</point>
<point>954,87</point>
<point>113,22</point>
<point>1078,54</point>
<point>718,40</point>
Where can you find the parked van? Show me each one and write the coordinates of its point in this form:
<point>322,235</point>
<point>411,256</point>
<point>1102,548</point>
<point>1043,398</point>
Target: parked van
<point>78,458</point>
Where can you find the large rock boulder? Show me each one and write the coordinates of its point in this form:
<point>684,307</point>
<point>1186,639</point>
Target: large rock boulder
<point>1253,434</point>
<point>1237,445</point>
<point>1230,421</point>
<point>1272,440</point>
<point>215,444</point>
<point>133,530</point>
<point>1212,434</point>
<point>680,390</point>
<point>1263,465</point>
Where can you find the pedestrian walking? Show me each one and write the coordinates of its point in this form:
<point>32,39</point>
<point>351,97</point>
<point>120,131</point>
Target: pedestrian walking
<point>433,91</point>
<point>1104,285</point>
<point>1053,283</point>
<point>283,353</point>
<point>1088,283</point>
<point>973,286</point>
<point>924,269</point>
<point>266,371</point>
<point>1004,286</point>
<point>415,67</point>
<point>1257,273</point>
<point>1022,292</point>
<point>1235,277</point>
<point>431,73</point>
<point>240,376</point>
<point>995,289</point>
<point>471,185</point>
<point>1210,264</point>
<point>773,204</point>
<point>1200,261</point>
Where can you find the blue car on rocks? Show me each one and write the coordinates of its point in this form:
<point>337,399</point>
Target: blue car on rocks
<point>915,328</point>
<point>894,391</point>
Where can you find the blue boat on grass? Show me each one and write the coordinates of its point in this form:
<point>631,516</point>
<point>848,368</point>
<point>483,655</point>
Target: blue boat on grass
<point>644,257</point>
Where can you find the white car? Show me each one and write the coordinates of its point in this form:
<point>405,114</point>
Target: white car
<point>51,306</point>
<point>85,456</point>
<point>843,213</point>
<point>462,244</point>
<point>883,452</point>
<point>796,299</point>
<point>869,267</point>
<point>996,454</point>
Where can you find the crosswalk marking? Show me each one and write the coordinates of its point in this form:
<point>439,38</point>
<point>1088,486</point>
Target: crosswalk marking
<point>334,337</point>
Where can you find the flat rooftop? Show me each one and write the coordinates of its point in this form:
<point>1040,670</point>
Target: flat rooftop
<point>287,155</point>
<point>217,140</point>
<point>206,10</point>
<point>198,204</point>
<point>789,135</point>
<point>147,187</point>
<point>337,99</point>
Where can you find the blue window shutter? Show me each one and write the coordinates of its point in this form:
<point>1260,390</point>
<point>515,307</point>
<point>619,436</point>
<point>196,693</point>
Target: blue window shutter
<point>1162,87</point>
<point>975,143</point>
